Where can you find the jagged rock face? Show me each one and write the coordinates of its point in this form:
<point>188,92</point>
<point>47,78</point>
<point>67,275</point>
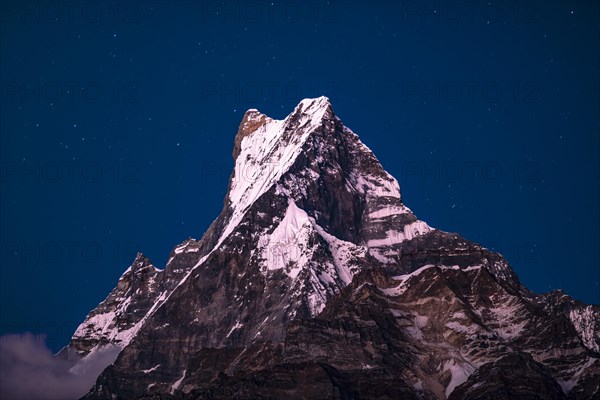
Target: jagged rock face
<point>514,376</point>
<point>583,316</point>
<point>114,320</point>
<point>316,281</point>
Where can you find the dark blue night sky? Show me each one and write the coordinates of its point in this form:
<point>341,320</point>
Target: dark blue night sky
<point>118,118</point>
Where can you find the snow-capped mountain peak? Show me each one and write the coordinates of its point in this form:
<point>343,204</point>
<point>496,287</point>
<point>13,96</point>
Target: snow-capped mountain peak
<point>266,148</point>
<point>314,109</point>
<point>316,272</point>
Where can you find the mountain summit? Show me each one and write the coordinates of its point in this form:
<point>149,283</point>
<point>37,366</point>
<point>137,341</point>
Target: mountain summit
<point>316,281</point>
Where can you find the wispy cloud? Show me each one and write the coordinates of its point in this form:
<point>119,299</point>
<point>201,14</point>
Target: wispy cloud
<point>29,370</point>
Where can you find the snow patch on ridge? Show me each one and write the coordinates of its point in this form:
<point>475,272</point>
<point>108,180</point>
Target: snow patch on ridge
<point>147,371</point>
<point>576,373</point>
<point>104,326</point>
<point>408,232</point>
<point>460,372</point>
<point>375,186</point>
<point>286,246</point>
<point>177,383</point>
<point>389,211</point>
<point>584,321</point>
<point>403,280</point>
<point>291,247</point>
<point>234,327</point>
